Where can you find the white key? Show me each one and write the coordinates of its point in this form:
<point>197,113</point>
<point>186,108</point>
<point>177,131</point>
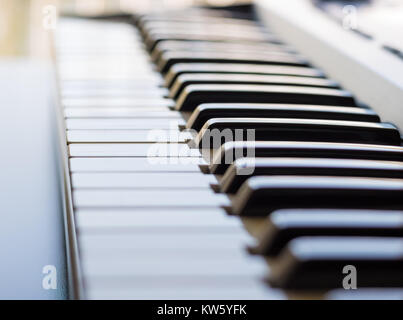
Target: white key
<point>149,198</point>
<point>253,265</point>
<point>92,219</point>
<point>151,150</point>
<point>257,292</point>
<point>131,103</point>
<point>124,124</point>
<point>115,93</point>
<point>138,113</point>
<point>157,255</point>
<point>127,136</point>
<point>90,75</point>
<point>107,84</point>
<point>160,164</point>
<point>142,180</point>
<point>161,241</point>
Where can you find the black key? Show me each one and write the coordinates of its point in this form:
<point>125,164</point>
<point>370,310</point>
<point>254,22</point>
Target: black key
<point>182,68</point>
<point>216,130</point>
<point>231,151</point>
<point>153,37</point>
<point>225,31</point>
<point>196,94</point>
<point>169,58</point>
<point>206,46</point>
<point>244,168</point>
<point>216,78</point>
<point>205,112</point>
<point>261,195</point>
<point>318,262</point>
<point>284,225</point>
<point>201,16</point>
<point>203,28</point>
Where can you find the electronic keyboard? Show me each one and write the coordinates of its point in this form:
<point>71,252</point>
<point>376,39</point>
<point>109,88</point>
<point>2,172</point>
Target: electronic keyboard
<point>208,156</point>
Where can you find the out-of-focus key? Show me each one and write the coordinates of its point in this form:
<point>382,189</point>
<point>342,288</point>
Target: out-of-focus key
<point>230,68</point>
<point>260,196</point>
<point>284,225</point>
<point>222,78</point>
<point>168,59</point>
<point>318,262</point>
<point>244,168</point>
<point>209,111</point>
<point>231,151</point>
<point>196,94</point>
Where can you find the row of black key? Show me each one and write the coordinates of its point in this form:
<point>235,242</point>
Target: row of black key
<point>327,159</point>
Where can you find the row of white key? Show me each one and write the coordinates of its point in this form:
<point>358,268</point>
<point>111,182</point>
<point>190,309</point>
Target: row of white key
<point>149,226</point>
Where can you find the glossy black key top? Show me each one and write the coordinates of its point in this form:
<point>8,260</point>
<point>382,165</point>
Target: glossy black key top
<point>203,46</point>
<point>261,195</point>
<point>284,225</point>
<point>196,94</point>
<point>153,38</point>
<point>215,130</point>
<point>168,59</point>
<point>216,78</point>
<point>254,32</point>
<point>207,111</point>
<point>231,151</point>
<point>224,31</point>
<point>244,168</point>
<point>318,262</point>
<point>194,16</point>
<point>229,68</point>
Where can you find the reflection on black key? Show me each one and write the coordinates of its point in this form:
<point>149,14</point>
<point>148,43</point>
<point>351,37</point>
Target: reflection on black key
<point>170,58</point>
<point>234,177</point>
<point>153,38</point>
<point>224,32</point>
<point>261,195</point>
<point>318,262</point>
<point>231,151</point>
<point>192,32</point>
<point>194,15</point>
<point>207,27</point>
<point>216,78</point>
<point>207,111</point>
<point>177,45</point>
<point>196,94</point>
<point>285,225</point>
<point>229,68</point>
<point>218,129</point>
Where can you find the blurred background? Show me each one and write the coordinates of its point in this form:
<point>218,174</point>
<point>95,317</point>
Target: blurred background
<point>25,24</point>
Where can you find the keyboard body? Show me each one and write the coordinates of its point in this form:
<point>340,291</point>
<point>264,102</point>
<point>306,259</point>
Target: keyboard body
<point>156,211</point>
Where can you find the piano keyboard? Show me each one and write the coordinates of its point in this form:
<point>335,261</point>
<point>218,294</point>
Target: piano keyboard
<point>160,216</point>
